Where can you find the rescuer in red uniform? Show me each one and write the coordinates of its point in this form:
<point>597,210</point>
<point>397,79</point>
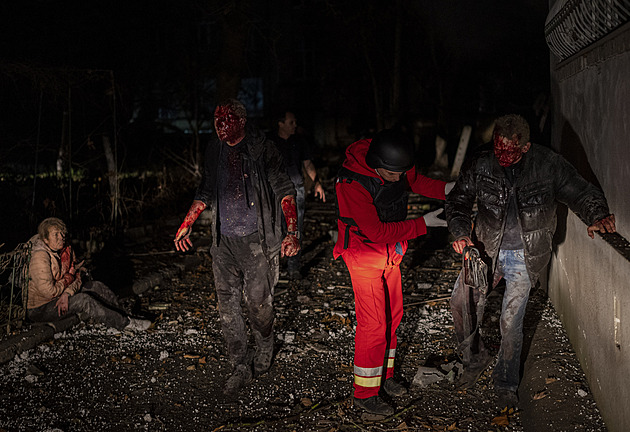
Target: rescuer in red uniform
<point>372,191</point>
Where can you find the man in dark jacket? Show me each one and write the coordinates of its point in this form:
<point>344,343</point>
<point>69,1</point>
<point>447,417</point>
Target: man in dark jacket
<point>372,190</point>
<point>246,189</point>
<point>516,187</point>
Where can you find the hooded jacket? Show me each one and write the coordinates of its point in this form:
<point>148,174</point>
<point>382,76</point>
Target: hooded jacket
<point>264,165</point>
<point>46,272</point>
<point>546,178</point>
<point>355,202</point>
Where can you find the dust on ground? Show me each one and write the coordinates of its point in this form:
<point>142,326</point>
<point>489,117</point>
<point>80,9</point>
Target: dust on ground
<point>170,377</point>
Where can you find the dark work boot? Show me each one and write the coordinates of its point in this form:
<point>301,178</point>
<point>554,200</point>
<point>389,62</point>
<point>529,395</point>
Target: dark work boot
<point>394,388</point>
<point>374,405</point>
<point>241,376</point>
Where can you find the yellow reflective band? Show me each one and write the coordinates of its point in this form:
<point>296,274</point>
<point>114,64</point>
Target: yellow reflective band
<point>367,381</point>
<point>368,372</point>
<point>390,363</point>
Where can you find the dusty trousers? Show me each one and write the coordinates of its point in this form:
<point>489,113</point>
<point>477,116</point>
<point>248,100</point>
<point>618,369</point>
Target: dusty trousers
<point>379,309</point>
<point>94,302</point>
<point>242,271</point>
<point>511,267</point>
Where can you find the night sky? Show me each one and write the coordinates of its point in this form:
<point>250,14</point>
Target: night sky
<point>74,74</point>
<point>451,52</point>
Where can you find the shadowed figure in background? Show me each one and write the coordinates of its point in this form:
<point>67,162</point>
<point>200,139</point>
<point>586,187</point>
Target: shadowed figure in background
<point>516,186</point>
<point>297,156</point>
<point>56,288</point>
<point>248,193</point>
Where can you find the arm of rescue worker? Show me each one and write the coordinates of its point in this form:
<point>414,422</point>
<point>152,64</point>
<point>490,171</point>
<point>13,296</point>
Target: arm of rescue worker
<point>182,237</point>
<point>426,186</point>
<point>290,244</point>
<point>44,285</point>
<point>355,202</point>
<point>586,200</point>
<point>309,167</point>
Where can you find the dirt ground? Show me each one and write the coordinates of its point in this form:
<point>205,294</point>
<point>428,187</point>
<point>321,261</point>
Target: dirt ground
<point>170,377</point>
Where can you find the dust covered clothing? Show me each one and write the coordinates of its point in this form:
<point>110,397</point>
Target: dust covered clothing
<point>520,199</point>
<point>545,179</point>
<point>263,165</point>
<point>90,300</point>
<point>46,271</point>
<point>372,241</point>
<point>245,255</point>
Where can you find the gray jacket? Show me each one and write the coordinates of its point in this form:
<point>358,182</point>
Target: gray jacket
<point>546,179</point>
<point>264,164</point>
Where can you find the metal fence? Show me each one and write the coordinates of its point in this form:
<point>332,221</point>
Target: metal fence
<point>573,25</point>
<point>14,286</point>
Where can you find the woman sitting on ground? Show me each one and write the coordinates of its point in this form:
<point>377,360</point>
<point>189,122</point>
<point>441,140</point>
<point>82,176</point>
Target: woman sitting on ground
<point>56,289</point>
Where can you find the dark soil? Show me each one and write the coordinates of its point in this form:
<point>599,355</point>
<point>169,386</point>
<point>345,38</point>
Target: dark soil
<point>170,377</point>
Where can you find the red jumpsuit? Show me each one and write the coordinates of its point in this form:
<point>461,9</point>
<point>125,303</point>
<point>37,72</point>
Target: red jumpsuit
<point>373,253</point>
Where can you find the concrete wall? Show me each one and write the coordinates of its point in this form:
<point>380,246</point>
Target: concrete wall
<point>589,280</point>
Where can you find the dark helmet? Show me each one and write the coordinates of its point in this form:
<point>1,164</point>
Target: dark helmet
<point>391,150</point>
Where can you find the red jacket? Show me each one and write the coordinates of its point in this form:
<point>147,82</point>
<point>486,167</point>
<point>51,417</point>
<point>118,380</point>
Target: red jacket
<point>355,202</point>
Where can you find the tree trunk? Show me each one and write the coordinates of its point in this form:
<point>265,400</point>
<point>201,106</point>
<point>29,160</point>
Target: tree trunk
<point>112,176</point>
<point>232,61</point>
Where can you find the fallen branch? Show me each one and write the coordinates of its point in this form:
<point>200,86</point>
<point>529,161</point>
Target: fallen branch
<point>428,301</point>
<point>152,253</point>
<point>439,269</point>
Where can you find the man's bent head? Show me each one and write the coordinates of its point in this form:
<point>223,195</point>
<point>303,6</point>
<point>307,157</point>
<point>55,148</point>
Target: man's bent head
<point>229,121</point>
<point>511,139</point>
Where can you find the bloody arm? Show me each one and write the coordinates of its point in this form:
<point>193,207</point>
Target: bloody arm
<point>182,238</point>
<point>291,243</point>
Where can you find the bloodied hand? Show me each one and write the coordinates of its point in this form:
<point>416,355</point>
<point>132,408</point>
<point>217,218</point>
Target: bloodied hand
<point>461,242</point>
<point>604,225</point>
<point>508,151</point>
<point>182,238</point>
<point>229,126</point>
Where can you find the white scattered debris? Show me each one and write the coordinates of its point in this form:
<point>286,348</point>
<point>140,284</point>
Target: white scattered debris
<point>427,376</point>
<point>163,355</point>
<point>582,393</point>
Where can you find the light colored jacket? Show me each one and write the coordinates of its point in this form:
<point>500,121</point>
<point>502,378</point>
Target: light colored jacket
<point>46,271</point>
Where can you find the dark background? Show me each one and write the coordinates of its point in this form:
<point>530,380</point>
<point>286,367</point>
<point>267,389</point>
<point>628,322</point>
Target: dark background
<point>144,76</point>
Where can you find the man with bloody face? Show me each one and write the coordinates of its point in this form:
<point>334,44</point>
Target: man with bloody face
<point>517,186</point>
<point>372,190</point>
<point>247,192</point>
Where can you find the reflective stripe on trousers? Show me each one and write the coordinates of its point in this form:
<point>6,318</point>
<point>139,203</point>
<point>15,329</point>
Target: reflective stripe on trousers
<point>378,306</point>
<point>371,377</point>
